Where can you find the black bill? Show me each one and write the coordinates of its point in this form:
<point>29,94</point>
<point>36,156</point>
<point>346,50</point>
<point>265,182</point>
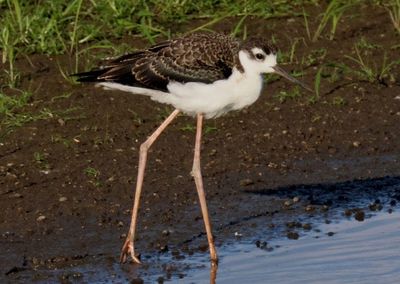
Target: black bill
<point>278,70</point>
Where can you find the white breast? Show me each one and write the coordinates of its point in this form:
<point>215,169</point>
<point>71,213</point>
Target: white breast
<point>234,93</point>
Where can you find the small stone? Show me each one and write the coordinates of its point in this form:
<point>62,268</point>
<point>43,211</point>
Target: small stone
<point>61,122</point>
<point>307,226</point>
<point>62,199</point>
<point>309,208</point>
<point>324,208</point>
<point>287,203</point>
<point>213,152</point>
<point>356,144</point>
<point>261,244</point>
<point>17,195</point>
<point>41,218</point>
<point>359,216</point>
<point>292,235</point>
<point>163,248</point>
<point>348,213</point>
<point>238,235</point>
<point>246,182</point>
<point>293,224</point>
<point>330,234</point>
<point>296,199</point>
<point>375,207</point>
<point>35,261</point>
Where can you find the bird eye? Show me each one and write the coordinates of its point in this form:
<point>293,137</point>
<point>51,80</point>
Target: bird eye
<point>260,56</point>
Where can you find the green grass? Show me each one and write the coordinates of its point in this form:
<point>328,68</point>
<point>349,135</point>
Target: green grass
<point>291,94</point>
<point>93,176</point>
<point>88,30</point>
<point>332,15</point>
<point>393,7</point>
<point>369,70</point>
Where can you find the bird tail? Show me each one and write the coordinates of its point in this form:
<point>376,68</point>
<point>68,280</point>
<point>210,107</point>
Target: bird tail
<point>91,76</point>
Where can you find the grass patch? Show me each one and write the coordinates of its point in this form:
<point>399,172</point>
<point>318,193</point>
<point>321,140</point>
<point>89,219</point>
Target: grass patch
<point>294,93</point>
<point>332,15</point>
<point>369,70</point>
<point>393,7</point>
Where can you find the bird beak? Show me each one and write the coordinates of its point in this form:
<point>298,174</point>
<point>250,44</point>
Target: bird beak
<point>278,70</point>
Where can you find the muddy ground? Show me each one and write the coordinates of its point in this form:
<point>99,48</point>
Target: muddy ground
<point>67,182</point>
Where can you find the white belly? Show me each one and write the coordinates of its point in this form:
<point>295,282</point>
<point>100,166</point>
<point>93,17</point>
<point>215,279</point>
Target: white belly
<point>234,93</point>
<point>215,99</point>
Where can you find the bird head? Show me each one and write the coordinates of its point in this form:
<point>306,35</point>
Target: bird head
<point>260,56</point>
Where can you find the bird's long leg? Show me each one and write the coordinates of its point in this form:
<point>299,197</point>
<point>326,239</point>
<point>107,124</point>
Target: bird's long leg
<point>196,173</point>
<point>128,247</point>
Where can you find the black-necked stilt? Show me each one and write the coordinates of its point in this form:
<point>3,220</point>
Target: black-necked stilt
<point>203,75</point>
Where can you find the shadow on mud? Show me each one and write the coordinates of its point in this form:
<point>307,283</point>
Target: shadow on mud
<point>341,194</point>
<point>301,206</point>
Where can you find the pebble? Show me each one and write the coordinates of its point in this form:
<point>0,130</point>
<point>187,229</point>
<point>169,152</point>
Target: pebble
<point>309,208</point>
<point>287,203</point>
<point>238,235</point>
<point>246,182</point>
<point>293,224</point>
<point>261,244</point>
<point>375,207</point>
<point>62,199</point>
<point>41,218</point>
<point>35,261</point>
<point>163,248</point>
<point>296,199</point>
<point>292,235</point>
<point>359,216</point>
<point>17,195</point>
<point>324,208</point>
<point>166,232</point>
<point>348,213</point>
<point>61,122</point>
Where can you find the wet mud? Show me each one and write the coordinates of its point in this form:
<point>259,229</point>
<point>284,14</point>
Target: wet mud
<point>67,182</point>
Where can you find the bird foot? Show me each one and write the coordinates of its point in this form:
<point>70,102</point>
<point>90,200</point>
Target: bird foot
<point>128,249</point>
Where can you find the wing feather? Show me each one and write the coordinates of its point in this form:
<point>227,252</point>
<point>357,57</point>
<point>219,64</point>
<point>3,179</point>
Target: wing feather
<point>200,57</point>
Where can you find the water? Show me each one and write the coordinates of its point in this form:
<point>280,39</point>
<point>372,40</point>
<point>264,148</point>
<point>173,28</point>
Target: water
<point>358,252</point>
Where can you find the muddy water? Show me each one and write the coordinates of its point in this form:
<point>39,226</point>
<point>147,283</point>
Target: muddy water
<point>341,246</point>
<point>346,251</point>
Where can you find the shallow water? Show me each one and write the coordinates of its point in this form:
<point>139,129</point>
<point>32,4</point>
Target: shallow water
<point>358,252</point>
<point>343,251</point>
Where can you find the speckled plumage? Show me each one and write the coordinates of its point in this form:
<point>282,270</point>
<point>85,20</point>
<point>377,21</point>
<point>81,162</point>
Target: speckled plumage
<point>197,57</point>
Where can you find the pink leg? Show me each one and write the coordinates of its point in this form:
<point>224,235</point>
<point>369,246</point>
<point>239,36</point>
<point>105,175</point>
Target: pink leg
<point>128,248</point>
<point>196,173</point>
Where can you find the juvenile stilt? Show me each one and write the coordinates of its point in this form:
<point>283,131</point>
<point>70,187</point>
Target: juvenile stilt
<point>203,74</point>
<point>129,248</point>
<point>196,173</point>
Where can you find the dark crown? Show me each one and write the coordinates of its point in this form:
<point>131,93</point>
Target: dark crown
<point>259,42</point>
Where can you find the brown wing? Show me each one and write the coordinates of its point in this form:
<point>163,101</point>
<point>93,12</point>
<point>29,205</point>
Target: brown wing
<point>193,58</point>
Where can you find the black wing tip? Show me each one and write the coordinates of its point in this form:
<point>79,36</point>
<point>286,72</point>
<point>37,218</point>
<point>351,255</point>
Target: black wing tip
<point>90,76</point>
